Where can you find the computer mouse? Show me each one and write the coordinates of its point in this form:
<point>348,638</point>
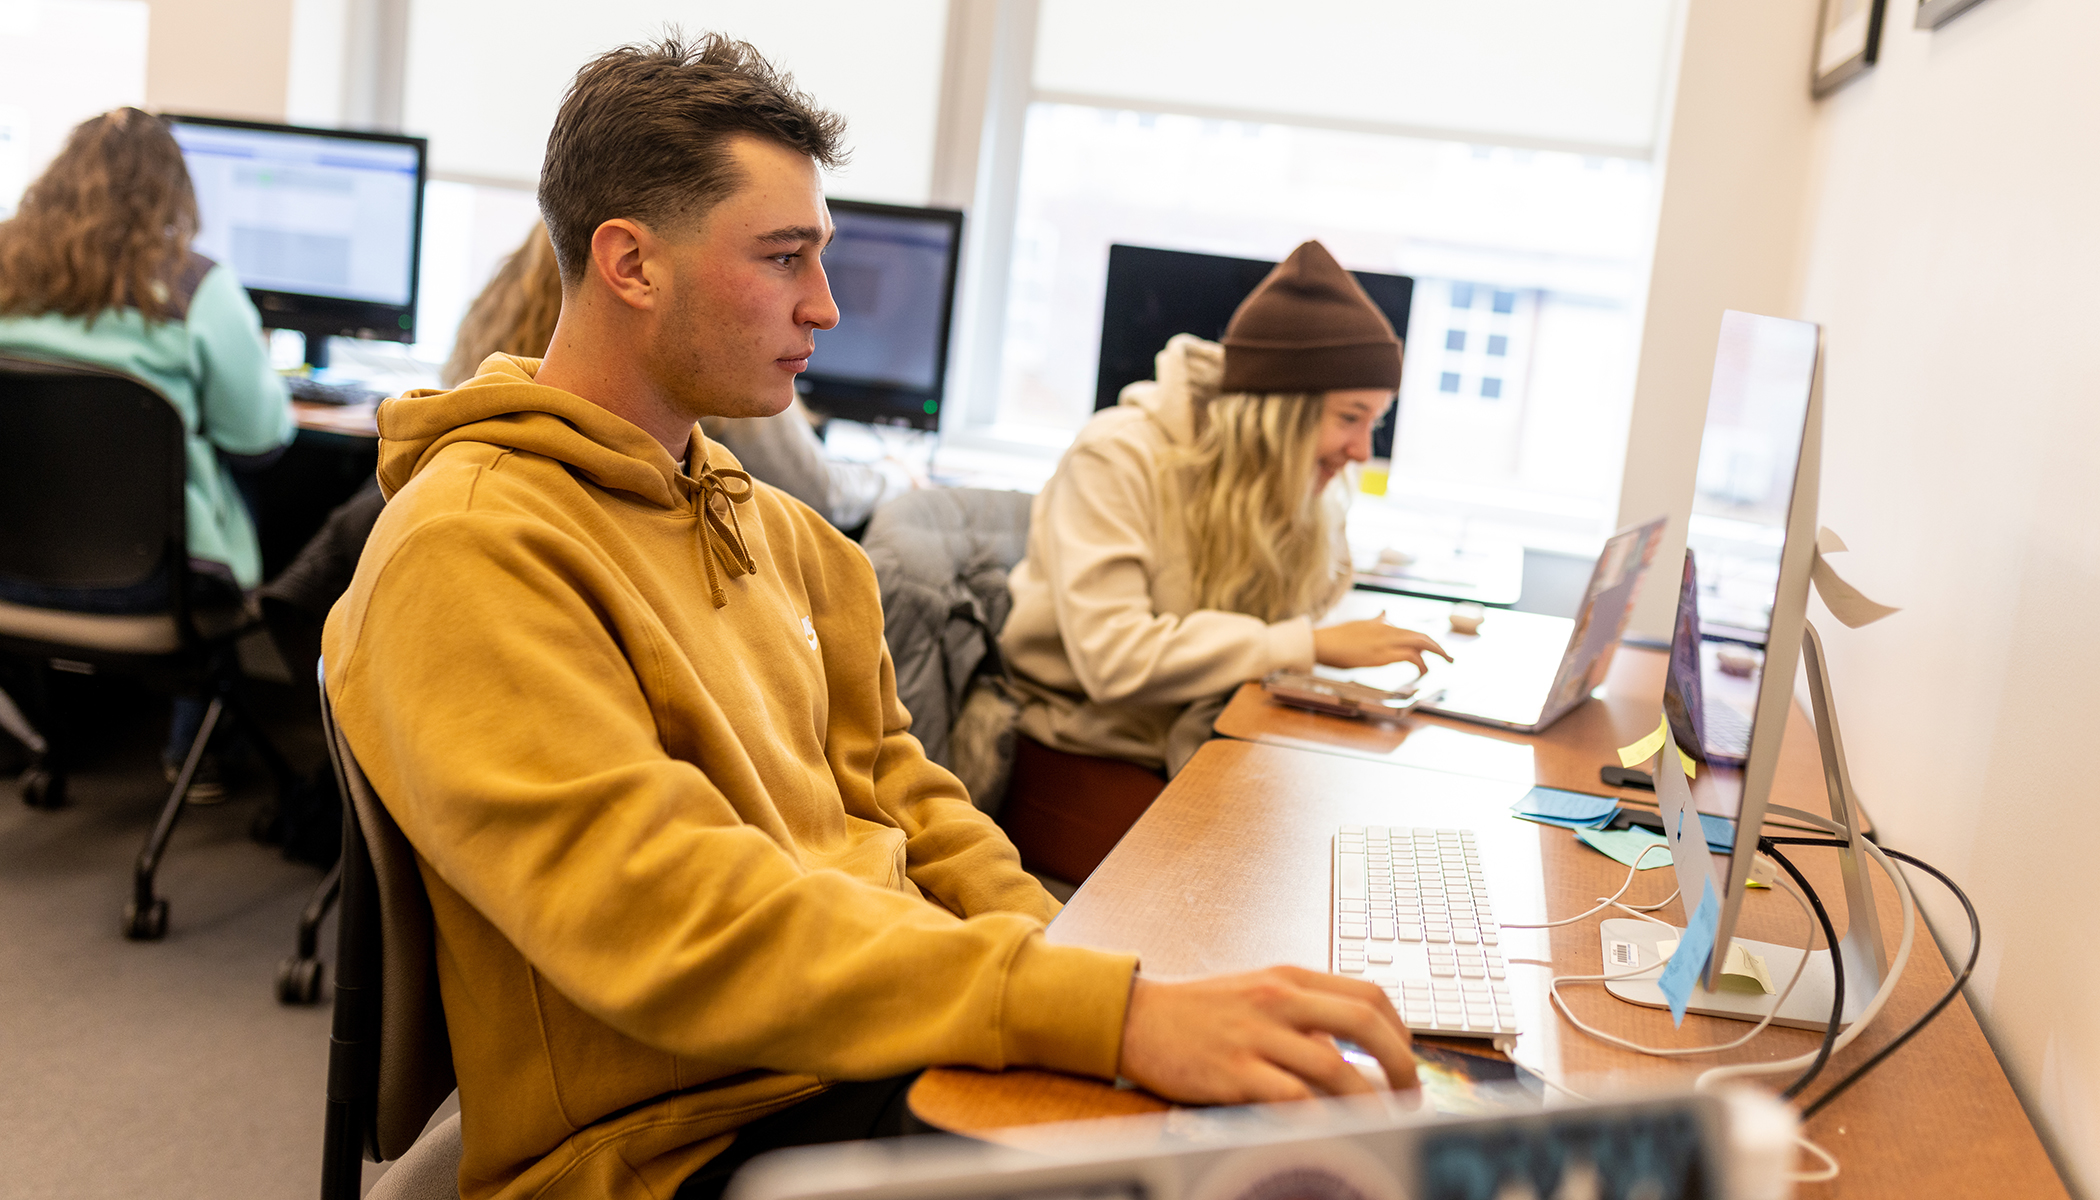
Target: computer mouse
<point>1467,617</point>
<point>1737,660</point>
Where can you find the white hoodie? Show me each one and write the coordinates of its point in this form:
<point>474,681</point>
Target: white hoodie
<point>1113,655</point>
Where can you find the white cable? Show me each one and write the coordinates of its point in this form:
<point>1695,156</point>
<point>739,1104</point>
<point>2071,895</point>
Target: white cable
<point>1602,902</point>
<point>1800,965</point>
<point>1830,1163</point>
<point>1867,1015</point>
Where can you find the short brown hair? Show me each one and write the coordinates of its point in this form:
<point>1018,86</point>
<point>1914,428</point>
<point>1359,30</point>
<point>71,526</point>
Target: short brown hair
<point>107,225</point>
<point>644,130</point>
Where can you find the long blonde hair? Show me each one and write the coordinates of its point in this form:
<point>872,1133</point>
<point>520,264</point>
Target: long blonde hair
<point>107,225</point>
<point>1261,541</point>
<point>514,314</point>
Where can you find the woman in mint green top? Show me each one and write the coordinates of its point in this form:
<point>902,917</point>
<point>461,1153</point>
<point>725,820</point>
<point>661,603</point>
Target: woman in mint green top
<point>142,303</point>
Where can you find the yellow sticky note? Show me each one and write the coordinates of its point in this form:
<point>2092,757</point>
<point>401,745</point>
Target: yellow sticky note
<point>1646,748</point>
<point>1372,481</point>
<point>1747,967</point>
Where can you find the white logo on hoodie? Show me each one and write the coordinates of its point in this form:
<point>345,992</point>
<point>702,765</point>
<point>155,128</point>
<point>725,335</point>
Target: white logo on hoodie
<point>809,630</point>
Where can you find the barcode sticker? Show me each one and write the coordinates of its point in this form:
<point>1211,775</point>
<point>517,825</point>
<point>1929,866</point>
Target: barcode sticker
<point>1624,954</point>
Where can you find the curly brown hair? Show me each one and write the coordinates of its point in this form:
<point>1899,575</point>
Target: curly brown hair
<point>107,225</point>
<point>514,314</point>
<point>644,134</point>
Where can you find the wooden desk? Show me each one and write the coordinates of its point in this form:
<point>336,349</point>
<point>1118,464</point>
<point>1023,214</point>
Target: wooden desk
<point>1568,755</point>
<point>349,420</point>
<point>1229,871</point>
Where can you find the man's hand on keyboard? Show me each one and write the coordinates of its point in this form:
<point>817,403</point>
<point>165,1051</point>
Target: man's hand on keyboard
<point>1259,1037</point>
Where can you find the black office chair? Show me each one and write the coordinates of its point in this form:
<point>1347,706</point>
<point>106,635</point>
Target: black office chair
<point>389,1055</point>
<point>91,495</point>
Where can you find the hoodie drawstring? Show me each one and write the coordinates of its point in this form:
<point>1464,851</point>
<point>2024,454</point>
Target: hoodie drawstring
<point>721,536</point>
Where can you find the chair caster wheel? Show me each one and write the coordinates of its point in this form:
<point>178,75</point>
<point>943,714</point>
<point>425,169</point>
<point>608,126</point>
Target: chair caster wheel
<point>145,925</point>
<point>43,789</point>
<point>299,981</point>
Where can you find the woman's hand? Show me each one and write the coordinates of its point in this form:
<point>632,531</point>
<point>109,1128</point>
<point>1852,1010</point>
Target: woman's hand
<point>1373,643</point>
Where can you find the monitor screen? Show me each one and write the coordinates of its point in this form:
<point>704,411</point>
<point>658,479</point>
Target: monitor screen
<point>1154,294</point>
<point>892,272</point>
<point>322,227</point>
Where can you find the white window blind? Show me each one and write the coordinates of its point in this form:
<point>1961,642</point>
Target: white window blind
<point>1542,73</point>
<point>484,82</point>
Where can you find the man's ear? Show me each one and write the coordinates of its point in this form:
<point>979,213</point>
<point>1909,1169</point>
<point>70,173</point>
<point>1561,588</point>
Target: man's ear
<point>622,258</point>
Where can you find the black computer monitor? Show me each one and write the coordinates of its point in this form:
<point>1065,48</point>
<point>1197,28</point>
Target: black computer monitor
<point>324,227</point>
<point>892,272</point>
<point>1154,294</point>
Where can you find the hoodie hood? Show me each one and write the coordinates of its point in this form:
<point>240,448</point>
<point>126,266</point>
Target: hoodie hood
<point>1185,378</point>
<point>502,406</point>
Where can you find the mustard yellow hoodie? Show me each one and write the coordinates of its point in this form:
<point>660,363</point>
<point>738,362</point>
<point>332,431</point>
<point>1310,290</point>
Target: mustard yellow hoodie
<point>687,862</point>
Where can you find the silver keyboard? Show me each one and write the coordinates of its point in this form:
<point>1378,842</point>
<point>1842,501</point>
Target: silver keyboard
<point>1411,914</point>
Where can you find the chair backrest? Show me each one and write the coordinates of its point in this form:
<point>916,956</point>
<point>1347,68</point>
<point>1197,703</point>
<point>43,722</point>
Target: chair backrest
<point>390,1057</point>
<point>91,477</point>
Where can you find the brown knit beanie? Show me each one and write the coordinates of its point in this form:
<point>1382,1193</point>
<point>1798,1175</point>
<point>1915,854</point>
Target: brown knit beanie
<point>1310,327</point>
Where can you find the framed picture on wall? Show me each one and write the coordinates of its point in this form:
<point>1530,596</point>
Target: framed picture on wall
<point>1848,40</point>
<point>1934,13</point>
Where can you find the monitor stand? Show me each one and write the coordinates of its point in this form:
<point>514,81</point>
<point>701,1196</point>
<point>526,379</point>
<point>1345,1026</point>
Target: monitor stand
<point>1862,949</point>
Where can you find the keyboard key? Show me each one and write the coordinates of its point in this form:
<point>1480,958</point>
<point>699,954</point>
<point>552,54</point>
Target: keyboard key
<point>1487,937</point>
<point>1443,969</point>
<point>1352,873</point>
<point>1352,906</point>
<point>1355,929</point>
<point>1468,935</point>
<point>1382,930</point>
<point>1472,970</point>
<point>1382,955</point>
<point>1406,932</point>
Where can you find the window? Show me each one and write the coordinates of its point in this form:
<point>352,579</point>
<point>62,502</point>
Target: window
<point>1542,250</point>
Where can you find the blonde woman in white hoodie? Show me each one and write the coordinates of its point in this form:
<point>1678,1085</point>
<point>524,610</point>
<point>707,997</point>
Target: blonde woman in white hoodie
<point>1188,541</point>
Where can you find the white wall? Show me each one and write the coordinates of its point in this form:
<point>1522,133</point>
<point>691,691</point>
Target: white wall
<point>1734,164</point>
<point>225,57</point>
<point>1954,236</point>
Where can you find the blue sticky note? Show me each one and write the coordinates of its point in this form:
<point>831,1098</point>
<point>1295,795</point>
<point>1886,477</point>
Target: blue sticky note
<point>1577,810</point>
<point>1720,833</point>
<point>1689,961</point>
<point>1565,823</point>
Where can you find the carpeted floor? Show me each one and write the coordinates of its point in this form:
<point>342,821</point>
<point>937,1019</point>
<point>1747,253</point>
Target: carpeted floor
<point>154,1069</point>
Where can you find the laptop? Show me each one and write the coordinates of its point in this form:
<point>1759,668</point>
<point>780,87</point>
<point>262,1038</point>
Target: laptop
<point>1522,671</point>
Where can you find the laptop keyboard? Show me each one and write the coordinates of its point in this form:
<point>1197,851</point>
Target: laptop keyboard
<point>1412,914</point>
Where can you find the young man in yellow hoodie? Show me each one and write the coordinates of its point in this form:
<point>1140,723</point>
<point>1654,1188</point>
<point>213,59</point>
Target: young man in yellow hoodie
<point>698,891</point>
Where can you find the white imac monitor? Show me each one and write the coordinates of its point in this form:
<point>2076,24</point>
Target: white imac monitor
<point>1741,620</point>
